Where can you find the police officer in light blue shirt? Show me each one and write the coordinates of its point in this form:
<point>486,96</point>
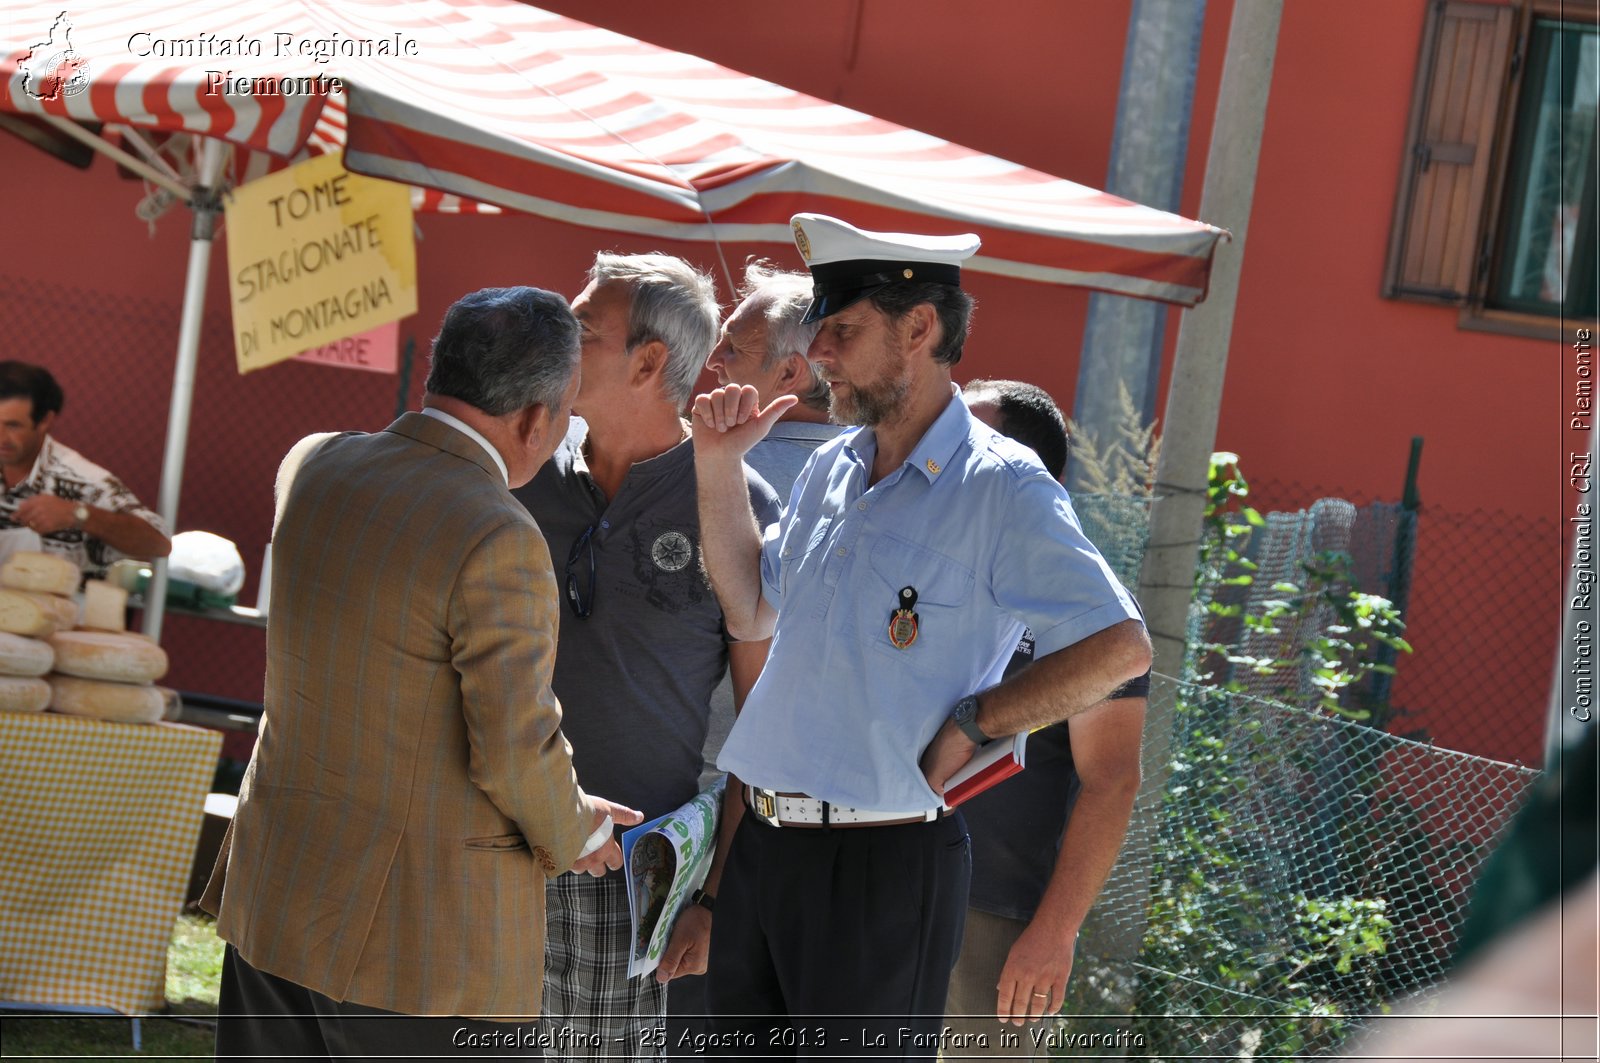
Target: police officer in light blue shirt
<point>913,553</point>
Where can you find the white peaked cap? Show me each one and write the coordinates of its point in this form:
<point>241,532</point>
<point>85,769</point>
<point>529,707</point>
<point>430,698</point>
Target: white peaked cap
<point>848,264</point>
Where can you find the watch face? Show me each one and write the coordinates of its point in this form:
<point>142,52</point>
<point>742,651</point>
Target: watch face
<point>966,717</point>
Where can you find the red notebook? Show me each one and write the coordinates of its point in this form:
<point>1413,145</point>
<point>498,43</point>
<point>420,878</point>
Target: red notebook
<point>993,762</point>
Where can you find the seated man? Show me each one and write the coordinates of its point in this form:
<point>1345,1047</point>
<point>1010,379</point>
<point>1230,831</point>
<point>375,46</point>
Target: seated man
<point>80,511</point>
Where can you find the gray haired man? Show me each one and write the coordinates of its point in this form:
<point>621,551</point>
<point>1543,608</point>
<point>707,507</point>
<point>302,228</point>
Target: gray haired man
<point>763,344</point>
<point>643,642</point>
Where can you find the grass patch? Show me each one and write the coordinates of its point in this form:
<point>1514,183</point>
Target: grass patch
<point>187,1031</point>
<point>194,966</point>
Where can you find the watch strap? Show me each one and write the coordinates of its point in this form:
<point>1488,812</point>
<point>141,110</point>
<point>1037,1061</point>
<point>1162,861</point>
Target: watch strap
<point>703,899</point>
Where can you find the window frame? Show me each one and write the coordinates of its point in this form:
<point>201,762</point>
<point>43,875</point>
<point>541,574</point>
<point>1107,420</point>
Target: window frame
<point>1467,254</point>
<point>1475,314</point>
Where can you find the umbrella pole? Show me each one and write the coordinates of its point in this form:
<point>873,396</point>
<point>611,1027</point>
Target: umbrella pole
<point>207,204</point>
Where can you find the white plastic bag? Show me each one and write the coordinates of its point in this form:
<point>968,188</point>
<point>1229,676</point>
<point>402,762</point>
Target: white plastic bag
<point>208,561</point>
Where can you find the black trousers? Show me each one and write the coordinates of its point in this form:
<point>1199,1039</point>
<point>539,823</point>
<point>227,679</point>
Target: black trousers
<point>837,942</point>
<point>262,1016</point>
<point>688,1014</point>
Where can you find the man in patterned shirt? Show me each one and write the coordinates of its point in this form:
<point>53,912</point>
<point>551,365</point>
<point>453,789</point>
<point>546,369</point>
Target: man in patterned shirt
<point>80,511</point>
<point>643,643</point>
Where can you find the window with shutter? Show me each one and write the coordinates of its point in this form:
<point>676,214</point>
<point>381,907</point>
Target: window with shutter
<point>1496,207</point>
<point>1461,75</point>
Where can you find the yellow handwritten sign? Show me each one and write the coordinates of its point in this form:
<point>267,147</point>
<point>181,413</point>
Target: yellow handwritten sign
<point>315,254</point>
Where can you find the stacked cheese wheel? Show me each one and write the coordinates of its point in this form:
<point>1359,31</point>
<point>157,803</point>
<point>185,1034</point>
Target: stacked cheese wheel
<point>35,603</point>
<point>107,674</point>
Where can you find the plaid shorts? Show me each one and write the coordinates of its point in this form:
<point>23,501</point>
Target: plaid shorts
<point>592,1009</point>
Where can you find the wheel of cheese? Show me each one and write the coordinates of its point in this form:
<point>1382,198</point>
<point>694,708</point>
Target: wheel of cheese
<point>106,655</point>
<point>64,612</point>
<point>23,695</point>
<point>122,702</point>
<point>105,606</point>
<point>171,703</point>
<point>34,570</point>
<point>24,656</point>
<point>25,613</point>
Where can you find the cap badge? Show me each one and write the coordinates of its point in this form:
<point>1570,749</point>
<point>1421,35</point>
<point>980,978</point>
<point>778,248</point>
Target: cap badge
<point>933,467</point>
<point>801,242</point>
<point>906,274</point>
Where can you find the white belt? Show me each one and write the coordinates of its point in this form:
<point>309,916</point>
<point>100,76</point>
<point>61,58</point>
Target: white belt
<point>798,810</point>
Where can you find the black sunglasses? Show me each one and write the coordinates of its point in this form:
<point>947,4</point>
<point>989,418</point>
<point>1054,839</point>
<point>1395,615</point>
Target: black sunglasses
<point>582,601</point>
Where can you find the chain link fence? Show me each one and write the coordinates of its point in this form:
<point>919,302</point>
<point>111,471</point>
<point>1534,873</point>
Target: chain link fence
<point>1296,872</point>
<point>1119,527</point>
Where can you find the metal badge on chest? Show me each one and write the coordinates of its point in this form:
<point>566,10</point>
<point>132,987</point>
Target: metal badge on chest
<point>903,620</point>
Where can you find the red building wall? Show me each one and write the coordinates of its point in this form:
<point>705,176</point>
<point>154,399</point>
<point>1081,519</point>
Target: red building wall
<point>1326,384</point>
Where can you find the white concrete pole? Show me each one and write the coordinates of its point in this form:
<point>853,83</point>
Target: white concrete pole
<point>206,207</point>
<point>1190,428</point>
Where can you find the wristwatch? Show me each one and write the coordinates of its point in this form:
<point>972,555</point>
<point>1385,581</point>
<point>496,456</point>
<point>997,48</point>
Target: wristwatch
<point>966,718</point>
<point>80,516</point>
<point>703,899</point>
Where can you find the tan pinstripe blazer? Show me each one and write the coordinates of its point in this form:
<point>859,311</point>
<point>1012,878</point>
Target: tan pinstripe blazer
<point>411,789</point>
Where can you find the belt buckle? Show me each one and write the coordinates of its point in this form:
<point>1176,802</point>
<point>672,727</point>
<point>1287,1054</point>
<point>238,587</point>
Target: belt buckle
<point>765,805</point>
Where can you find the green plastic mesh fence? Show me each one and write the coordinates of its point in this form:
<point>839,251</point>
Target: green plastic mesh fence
<point>1477,607</point>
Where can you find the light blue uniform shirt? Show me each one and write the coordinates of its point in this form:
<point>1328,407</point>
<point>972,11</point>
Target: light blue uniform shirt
<point>989,542</point>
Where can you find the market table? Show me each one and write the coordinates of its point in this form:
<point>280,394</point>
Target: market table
<point>98,825</point>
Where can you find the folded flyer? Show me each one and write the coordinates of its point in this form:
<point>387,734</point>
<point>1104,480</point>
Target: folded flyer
<point>663,862</point>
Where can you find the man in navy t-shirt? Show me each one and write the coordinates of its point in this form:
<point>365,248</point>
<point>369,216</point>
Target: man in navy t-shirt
<point>1044,841</point>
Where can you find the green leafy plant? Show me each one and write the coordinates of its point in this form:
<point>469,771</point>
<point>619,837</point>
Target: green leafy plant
<point>1224,975</point>
<point>1333,657</point>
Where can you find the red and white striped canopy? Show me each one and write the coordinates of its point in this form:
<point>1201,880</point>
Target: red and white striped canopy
<point>506,104</point>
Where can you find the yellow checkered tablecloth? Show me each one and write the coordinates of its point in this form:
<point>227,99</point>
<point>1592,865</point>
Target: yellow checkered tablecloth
<point>98,826</point>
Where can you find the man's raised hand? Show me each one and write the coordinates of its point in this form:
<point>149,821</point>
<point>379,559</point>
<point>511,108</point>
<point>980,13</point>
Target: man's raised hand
<point>730,420</point>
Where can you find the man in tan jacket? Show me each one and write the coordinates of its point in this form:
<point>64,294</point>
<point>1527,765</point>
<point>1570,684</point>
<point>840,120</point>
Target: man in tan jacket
<point>411,790</point>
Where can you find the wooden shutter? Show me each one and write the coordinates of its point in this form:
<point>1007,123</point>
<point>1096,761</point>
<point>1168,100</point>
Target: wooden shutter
<point>1438,216</point>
